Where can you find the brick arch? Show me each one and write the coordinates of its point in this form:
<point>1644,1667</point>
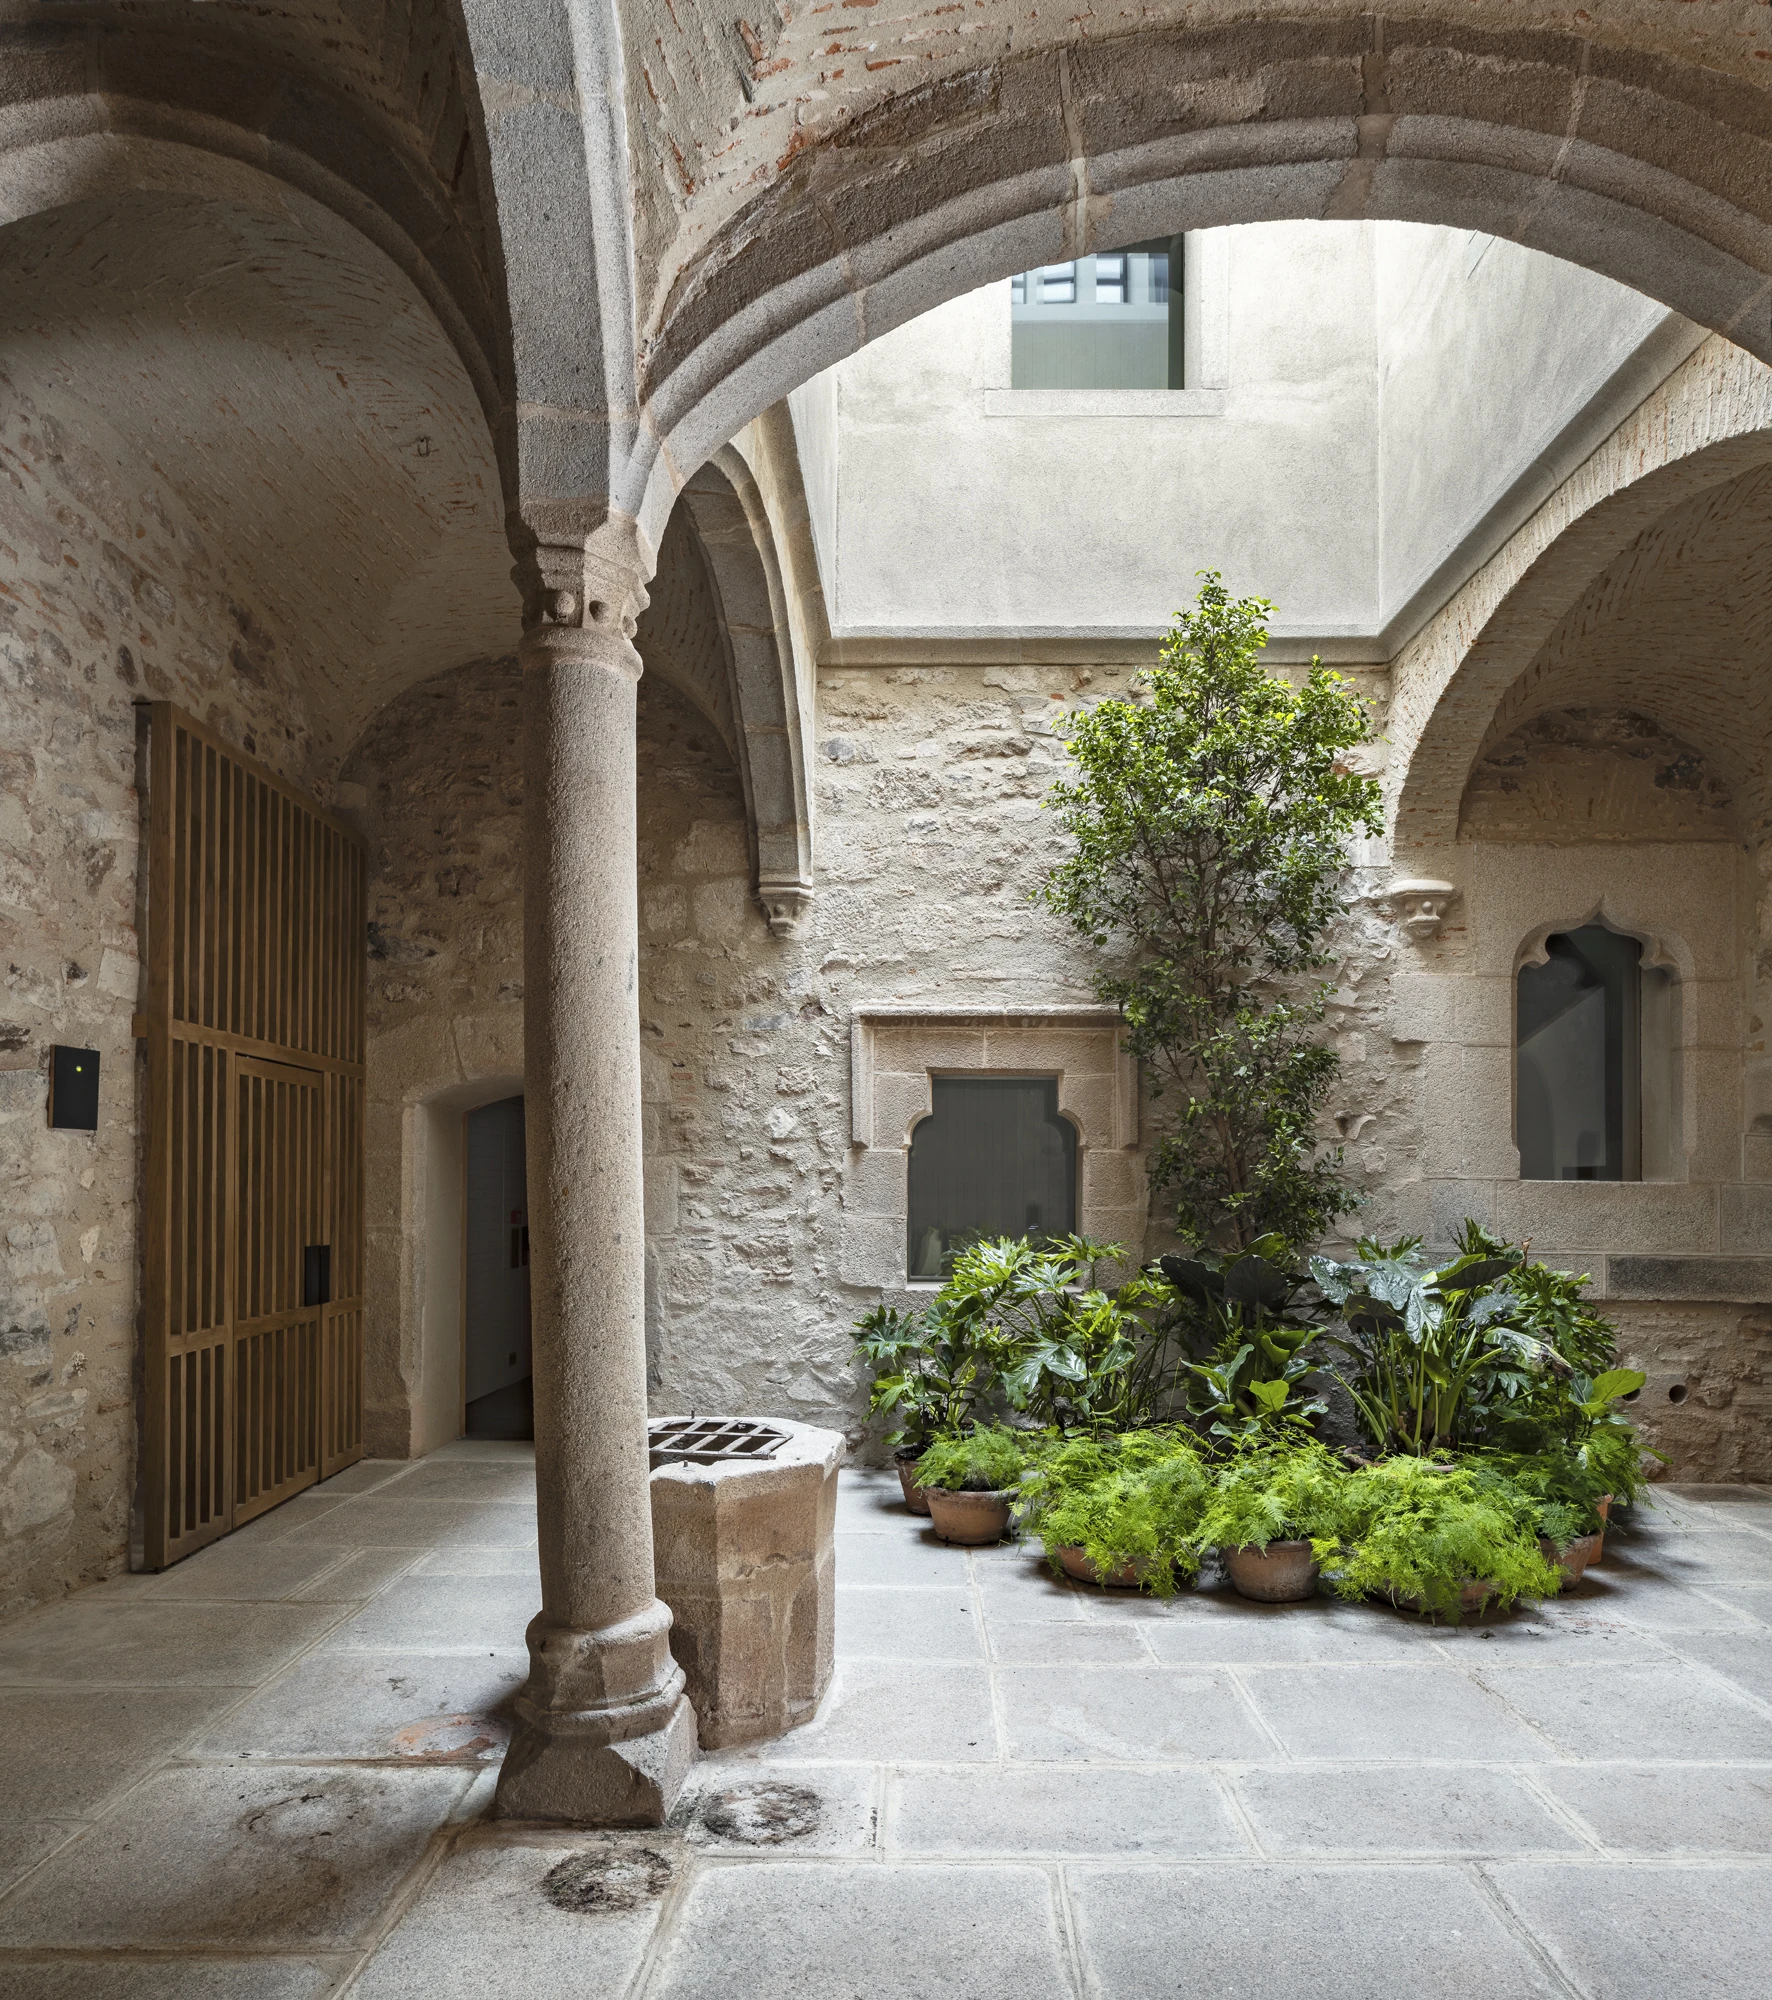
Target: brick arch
<point>1491,656</point>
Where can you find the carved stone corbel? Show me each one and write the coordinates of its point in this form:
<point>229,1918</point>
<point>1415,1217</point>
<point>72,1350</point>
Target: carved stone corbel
<point>784,905</point>
<point>1419,905</point>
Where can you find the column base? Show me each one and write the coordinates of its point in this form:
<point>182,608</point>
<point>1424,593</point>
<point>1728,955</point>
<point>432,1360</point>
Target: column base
<point>605,1735</point>
<point>566,1768</point>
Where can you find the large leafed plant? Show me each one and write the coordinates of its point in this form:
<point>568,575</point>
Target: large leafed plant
<point>1209,818</point>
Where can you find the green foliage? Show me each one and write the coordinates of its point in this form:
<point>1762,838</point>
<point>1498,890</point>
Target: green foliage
<point>1019,1326</point>
<point>1421,1531</point>
<point>1209,818</point>
<point>1135,1498</point>
<point>987,1460</point>
<point>933,1370</point>
<point>1245,1337</point>
<point>1432,1350</point>
<point>1490,1350</point>
<point>1279,1488</point>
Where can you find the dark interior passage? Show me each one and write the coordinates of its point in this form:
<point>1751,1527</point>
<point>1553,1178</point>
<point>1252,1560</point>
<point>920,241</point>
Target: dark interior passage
<point>496,1364</point>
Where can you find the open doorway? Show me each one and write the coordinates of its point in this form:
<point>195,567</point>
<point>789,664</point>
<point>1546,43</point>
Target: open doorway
<point>496,1362</point>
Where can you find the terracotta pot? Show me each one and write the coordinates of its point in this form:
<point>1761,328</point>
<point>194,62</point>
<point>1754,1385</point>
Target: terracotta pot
<point>969,1517</point>
<point>915,1496</point>
<point>1602,1507</point>
<point>1128,1576</point>
<point>1573,1560</point>
<point>1281,1573</point>
<point>1473,1595</point>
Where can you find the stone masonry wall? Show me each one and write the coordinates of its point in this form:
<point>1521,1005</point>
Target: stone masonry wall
<point>110,594</point>
<point>929,782</point>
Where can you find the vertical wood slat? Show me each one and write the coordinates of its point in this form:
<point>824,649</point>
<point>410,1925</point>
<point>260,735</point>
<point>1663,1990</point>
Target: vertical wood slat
<point>255,961</point>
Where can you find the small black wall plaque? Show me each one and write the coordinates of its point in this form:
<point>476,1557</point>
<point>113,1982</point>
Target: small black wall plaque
<point>316,1275</point>
<point>73,1089</point>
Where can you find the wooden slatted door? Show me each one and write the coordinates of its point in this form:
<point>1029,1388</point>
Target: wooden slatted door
<point>253,1191</point>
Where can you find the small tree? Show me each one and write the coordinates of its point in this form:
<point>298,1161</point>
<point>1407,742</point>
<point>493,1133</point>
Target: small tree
<point>1209,819</point>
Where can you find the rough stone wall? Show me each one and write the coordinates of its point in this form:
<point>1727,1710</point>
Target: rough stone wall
<point>928,788</point>
<point>111,592</point>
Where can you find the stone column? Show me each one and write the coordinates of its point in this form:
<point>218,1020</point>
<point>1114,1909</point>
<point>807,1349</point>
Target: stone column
<point>604,1733</point>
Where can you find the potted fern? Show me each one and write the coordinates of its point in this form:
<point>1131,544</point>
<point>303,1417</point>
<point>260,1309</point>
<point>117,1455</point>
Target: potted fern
<point>1276,1515</point>
<point>1119,1510</point>
<point>969,1481</point>
<point>1440,1539</point>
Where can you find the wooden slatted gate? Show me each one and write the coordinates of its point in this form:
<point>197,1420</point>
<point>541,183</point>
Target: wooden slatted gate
<point>252,1223</point>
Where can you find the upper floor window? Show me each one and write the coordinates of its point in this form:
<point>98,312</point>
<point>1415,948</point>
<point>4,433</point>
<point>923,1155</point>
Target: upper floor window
<point>1595,1096</point>
<point>994,1158</point>
<point>1112,321</point>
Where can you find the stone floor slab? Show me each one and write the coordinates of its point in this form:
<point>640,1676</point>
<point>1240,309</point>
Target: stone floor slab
<point>889,1933</point>
<point>68,1751</point>
<point>426,1708</point>
<point>1133,1715</point>
<point>1639,1933</point>
<point>246,1571</point>
<point>483,1482</point>
<point>26,1842</point>
<point>1079,1811</point>
<point>386,1521</point>
<point>485,1928</point>
<point>96,1640</point>
<point>890,1622</point>
<point>1280,1933</point>
<point>1389,1713</point>
<point>1032,1642</point>
<point>905,1556</point>
<point>285,1857</point>
<point>1427,1810</point>
<point>442,1614</point>
<point>1645,1713</point>
<point>360,1575</point>
<point>482,1562</point>
<point>870,1501</point>
<point>1208,1632</point>
<point>890,1711</point>
<point>165,1979</point>
<point>1670,1809</point>
<point>1744,1657</point>
<point>747,1803</point>
<point>366,1475</point>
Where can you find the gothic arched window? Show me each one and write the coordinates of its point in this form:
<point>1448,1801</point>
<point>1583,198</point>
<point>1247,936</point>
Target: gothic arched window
<point>994,1158</point>
<point>1594,1094</point>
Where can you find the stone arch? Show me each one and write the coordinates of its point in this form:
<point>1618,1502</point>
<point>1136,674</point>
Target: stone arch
<point>213,117</point>
<point>1489,658</point>
<point>880,202</point>
<point>744,571</point>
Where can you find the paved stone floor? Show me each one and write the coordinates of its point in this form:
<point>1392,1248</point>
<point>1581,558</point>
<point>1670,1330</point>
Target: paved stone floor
<point>267,1773</point>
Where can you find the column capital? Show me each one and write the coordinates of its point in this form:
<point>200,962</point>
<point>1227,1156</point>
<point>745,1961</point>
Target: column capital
<point>583,592</point>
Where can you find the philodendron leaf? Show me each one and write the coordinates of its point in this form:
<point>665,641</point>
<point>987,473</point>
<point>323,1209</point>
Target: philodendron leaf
<point>1270,1395</point>
<point>1614,1383</point>
<point>1196,1280</point>
<point>1253,1281</point>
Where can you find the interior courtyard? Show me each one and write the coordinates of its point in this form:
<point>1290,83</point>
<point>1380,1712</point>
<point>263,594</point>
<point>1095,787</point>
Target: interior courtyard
<point>548,554</point>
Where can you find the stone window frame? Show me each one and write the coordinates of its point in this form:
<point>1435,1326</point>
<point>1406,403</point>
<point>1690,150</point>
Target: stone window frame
<point>1661,952</point>
<point>896,1052</point>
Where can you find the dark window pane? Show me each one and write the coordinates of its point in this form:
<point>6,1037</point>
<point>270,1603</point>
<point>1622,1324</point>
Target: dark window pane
<point>993,1159</point>
<point>1577,1112</point>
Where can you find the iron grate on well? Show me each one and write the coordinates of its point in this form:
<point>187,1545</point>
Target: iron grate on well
<point>711,1441</point>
